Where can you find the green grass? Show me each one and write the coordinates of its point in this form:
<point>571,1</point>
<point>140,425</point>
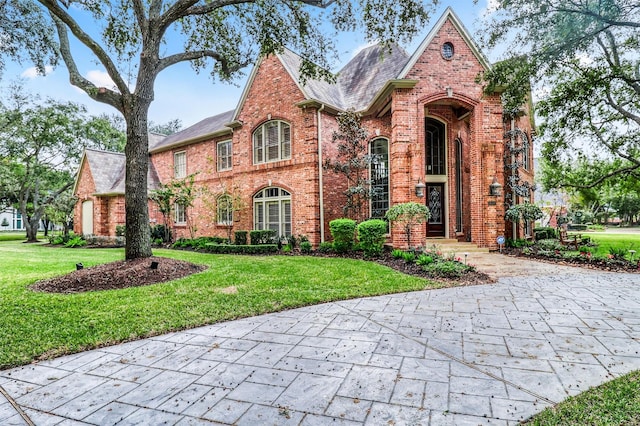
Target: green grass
<point>613,403</point>
<point>37,325</point>
<point>625,241</point>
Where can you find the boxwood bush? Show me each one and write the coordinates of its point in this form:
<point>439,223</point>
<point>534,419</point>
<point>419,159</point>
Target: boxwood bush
<point>343,232</point>
<point>262,236</point>
<point>241,249</point>
<point>371,235</point>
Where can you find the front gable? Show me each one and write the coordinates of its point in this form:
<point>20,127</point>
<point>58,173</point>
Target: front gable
<point>448,58</point>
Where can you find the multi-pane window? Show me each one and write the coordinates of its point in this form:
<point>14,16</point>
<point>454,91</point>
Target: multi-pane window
<point>224,210</point>
<point>526,162</point>
<point>379,173</point>
<point>435,147</point>
<point>179,214</point>
<point>272,210</point>
<point>224,156</point>
<point>272,142</point>
<point>458,185</point>
<point>180,165</point>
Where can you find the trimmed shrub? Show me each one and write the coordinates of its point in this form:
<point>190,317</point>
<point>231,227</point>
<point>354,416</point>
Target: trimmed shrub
<point>263,236</point>
<point>371,235</point>
<point>241,249</point>
<point>545,233</point>
<point>121,230</point>
<point>158,232</point>
<point>305,247</point>
<point>325,247</point>
<point>343,232</point>
<point>240,238</point>
<point>577,227</point>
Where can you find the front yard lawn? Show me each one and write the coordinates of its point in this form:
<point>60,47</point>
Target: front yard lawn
<point>35,325</point>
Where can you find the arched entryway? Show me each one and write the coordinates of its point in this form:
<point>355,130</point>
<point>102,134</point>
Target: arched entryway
<point>436,176</point>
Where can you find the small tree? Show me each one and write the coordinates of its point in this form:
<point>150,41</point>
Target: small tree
<point>163,197</point>
<point>353,162</point>
<point>525,212</point>
<point>408,215</point>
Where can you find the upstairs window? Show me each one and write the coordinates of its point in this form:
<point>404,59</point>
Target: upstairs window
<point>224,156</point>
<point>272,142</point>
<point>180,165</point>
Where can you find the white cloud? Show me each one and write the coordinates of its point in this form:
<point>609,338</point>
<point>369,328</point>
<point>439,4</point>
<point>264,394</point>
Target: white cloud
<point>100,79</point>
<point>32,72</point>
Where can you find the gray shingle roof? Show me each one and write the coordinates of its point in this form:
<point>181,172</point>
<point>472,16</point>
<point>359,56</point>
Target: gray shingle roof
<point>208,126</point>
<point>358,82</point>
<point>108,171</point>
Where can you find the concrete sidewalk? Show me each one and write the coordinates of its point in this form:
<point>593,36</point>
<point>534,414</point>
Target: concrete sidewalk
<point>491,354</point>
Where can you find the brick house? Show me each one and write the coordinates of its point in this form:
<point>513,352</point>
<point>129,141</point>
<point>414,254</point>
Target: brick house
<point>439,140</point>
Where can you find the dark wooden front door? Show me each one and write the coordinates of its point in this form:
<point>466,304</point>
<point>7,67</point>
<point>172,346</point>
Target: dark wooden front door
<point>436,204</point>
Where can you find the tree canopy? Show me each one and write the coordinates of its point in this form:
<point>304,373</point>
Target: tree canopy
<point>40,144</point>
<point>584,56</point>
<point>135,40</point>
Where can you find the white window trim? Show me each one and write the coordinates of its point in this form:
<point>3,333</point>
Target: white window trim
<point>228,212</point>
<point>229,156</point>
<point>176,173</point>
<point>264,200</point>
<point>263,143</point>
<point>388,175</point>
<point>179,214</point>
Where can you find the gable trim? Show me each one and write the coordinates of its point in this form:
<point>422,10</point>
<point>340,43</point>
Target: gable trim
<point>82,161</point>
<point>450,15</point>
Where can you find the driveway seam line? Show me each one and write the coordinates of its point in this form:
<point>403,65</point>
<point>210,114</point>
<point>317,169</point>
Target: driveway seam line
<point>17,407</point>
<point>454,358</point>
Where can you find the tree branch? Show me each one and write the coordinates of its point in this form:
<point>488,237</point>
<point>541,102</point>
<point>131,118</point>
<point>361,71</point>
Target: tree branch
<point>190,56</point>
<point>102,94</point>
<point>138,9</point>
<point>57,12</point>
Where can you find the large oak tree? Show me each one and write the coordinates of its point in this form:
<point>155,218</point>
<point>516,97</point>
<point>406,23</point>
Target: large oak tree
<point>583,56</point>
<point>221,36</point>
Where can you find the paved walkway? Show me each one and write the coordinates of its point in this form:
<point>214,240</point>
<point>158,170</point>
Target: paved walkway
<point>491,354</point>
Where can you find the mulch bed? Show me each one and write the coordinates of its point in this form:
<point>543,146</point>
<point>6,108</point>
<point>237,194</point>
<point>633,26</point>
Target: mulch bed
<point>133,273</point>
<point>117,275</point>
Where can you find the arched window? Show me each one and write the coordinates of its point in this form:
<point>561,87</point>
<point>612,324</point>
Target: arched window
<point>379,173</point>
<point>458,185</point>
<point>435,147</point>
<point>272,210</point>
<point>272,142</point>
<point>224,210</point>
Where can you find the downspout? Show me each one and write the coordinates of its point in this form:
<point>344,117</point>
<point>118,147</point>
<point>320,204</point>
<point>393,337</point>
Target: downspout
<point>320,173</point>
<point>512,146</point>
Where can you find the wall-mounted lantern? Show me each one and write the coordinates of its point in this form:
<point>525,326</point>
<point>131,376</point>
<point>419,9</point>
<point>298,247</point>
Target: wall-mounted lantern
<point>495,188</point>
<point>420,187</point>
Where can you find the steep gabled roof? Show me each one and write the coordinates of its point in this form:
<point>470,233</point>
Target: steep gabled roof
<point>363,84</point>
<point>209,127</point>
<point>108,172</point>
<point>448,15</point>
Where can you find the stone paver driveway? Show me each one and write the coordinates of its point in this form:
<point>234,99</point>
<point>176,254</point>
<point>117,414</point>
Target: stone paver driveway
<point>492,354</point>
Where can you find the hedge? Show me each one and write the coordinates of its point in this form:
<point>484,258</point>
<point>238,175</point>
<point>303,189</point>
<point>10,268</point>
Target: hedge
<point>241,249</point>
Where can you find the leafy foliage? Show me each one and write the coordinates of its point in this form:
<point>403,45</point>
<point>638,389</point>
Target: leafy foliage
<point>343,232</point>
<point>220,37</point>
<point>371,235</point>
<point>586,52</point>
<point>408,215</point>
<point>261,237</point>
<point>523,212</point>
<point>353,162</point>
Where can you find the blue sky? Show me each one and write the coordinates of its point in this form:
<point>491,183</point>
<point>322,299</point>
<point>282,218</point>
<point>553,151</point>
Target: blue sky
<point>183,94</point>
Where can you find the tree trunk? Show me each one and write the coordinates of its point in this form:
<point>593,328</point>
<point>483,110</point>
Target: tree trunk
<point>138,234</point>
